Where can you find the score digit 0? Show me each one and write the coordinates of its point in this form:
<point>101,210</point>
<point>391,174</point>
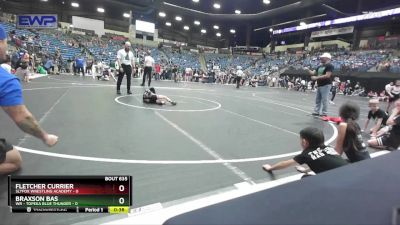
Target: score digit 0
<point>121,188</point>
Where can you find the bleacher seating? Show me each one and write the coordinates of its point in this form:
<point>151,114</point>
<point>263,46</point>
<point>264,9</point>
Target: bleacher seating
<point>226,62</point>
<point>105,48</point>
<point>54,40</point>
<point>184,59</point>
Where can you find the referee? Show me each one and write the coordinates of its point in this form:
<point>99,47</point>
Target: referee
<point>12,103</point>
<point>148,67</point>
<point>126,63</point>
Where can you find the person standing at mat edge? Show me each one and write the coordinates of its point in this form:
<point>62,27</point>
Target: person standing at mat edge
<point>322,75</point>
<point>12,103</point>
<point>126,63</point>
<point>148,67</point>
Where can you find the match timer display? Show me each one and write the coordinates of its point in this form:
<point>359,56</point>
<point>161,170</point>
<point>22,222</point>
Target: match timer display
<point>74,194</point>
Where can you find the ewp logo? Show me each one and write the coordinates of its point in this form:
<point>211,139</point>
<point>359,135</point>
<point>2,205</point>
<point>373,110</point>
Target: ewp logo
<point>37,21</point>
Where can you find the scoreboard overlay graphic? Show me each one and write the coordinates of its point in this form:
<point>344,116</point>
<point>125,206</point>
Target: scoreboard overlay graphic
<point>70,194</point>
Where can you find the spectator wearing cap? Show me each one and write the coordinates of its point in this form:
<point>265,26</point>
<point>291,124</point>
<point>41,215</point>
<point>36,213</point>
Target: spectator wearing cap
<point>11,102</point>
<point>126,63</point>
<point>323,76</point>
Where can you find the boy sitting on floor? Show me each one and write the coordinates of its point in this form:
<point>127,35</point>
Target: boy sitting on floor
<point>390,140</point>
<point>379,116</point>
<point>315,154</point>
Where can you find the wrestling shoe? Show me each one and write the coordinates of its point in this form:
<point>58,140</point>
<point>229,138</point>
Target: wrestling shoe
<point>174,103</point>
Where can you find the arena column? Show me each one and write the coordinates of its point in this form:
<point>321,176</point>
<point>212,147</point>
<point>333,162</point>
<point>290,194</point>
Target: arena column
<point>249,30</point>
<point>307,38</point>
<point>273,43</point>
<point>356,33</point>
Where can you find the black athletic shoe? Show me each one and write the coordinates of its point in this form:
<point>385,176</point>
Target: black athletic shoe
<point>118,92</point>
<point>129,92</point>
<point>142,85</point>
<point>314,114</point>
<point>174,103</point>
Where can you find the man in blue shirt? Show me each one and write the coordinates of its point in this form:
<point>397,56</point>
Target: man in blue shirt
<point>12,103</point>
<point>79,64</point>
<point>49,66</point>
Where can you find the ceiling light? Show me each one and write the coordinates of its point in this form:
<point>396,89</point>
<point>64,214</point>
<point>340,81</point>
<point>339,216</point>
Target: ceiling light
<point>238,11</point>
<point>271,30</point>
<point>168,24</point>
<point>44,0</point>
<point>233,31</point>
<point>196,22</point>
<point>266,2</point>
<point>303,24</point>
<point>195,1</point>
<point>162,14</point>
<point>216,27</point>
<point>218,34</point>
<point>74,4</point>
<point>127,15</point>
<point>186,27</point>
<point>217,5</point>
<point>178,18</point>
<point>100,10</point>
<point>203,31</point>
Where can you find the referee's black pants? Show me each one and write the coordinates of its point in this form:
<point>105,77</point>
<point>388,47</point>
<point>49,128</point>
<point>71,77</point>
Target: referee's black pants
<point>128,72</point>
<point>147,72</point>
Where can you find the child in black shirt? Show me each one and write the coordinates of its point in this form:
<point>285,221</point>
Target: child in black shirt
<point>378,115</point>
<point>349,139</point>
<point>391,140</point>
<point>315,154</point>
